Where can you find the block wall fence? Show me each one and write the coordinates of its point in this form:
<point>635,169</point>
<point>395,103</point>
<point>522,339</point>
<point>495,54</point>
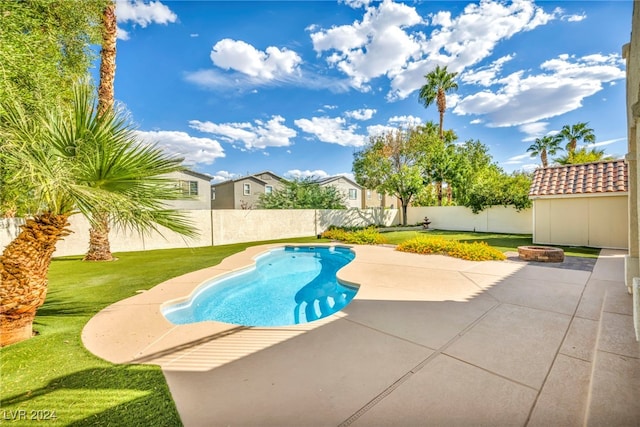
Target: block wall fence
<point>227,226</point>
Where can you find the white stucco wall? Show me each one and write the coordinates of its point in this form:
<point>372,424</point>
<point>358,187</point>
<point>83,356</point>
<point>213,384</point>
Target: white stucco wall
<point>601,222</point>
<point>496,219</point>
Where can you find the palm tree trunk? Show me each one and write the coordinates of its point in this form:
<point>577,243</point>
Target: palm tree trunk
<point>572,145</point>
<point>439,192</point>
<point>24,265</point>
<point>543,158</point>
<point>107,58</point>
<point>99,246</point>
<point>442,106</point>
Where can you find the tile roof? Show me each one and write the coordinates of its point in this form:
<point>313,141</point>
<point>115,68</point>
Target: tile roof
<point>588,178</point>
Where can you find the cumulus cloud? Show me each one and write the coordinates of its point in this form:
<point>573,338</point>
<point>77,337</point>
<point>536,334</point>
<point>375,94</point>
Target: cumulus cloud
<point>462,41</point>
<point>559,87</point>
<point>333,130</point>
<point>486,76</point>
<point>405,121</point>
<point>574,18</point>
<point>299,174</point>
<point>194,150</point>
<point>361,114</point>
<point>240,56</point>
<point>222,176</point>
<point>372,47</point>
<point>257,135</point>
<point>142,14</point>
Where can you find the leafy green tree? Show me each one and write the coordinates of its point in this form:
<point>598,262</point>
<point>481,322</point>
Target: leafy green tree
<point>391,164</point>
<point>472,157</point>
<point>492,187</point>
<point>439,83</point>
<point>45,46</point>
<point>547,145</point>
<point>574,133</point>
<point>582,155</point>
<point>74,161</point>
<point>303,194</point>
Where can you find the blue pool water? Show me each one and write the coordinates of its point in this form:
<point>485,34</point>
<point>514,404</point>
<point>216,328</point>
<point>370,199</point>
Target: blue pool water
<point>287,286</point>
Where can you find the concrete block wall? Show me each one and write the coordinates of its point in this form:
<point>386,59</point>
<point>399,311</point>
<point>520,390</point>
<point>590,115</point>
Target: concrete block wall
<point>496,219</point>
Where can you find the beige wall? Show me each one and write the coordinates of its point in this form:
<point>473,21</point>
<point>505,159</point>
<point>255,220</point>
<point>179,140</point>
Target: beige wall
<point>496,219</point>
<point>582,221</point>
<point>343,187</point>
<point>217,227</point>
<point>201,201</point>
<point>224,195</point>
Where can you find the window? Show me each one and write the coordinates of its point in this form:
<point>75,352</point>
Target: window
<point>268,189</point>
<point>380,197</point>
<point>246,189</point>
<point>353,194</point>
<point>189,188</point>
<point>368,194</point>
<point>213,193</point>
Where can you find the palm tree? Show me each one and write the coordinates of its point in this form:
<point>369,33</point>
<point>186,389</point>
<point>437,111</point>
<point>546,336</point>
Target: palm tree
<point>583,155</point>
<point>546,145</point>
<point>58,160</point>
<point>99,246</point>
<point>439,83</point>
<point>575,133</point>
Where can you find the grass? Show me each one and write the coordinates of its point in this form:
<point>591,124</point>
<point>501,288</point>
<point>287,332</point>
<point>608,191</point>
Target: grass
<point>54,372</point>
<point>502,242</point>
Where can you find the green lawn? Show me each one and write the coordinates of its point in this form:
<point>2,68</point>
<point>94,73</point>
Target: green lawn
<point>503,242</point>
<point>54,372</point>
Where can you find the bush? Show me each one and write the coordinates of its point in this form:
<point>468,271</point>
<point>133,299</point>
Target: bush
<point>476,251</point>
<point>364,236</point>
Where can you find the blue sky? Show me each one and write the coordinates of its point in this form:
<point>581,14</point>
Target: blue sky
<point>296,87</point>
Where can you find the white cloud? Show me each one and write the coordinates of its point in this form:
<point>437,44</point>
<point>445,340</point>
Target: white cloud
<point>256,135</point>
<point>143,14</point>
<point>475,121</point>
<point>332,130</point>
<point>560,87</point>
<point>122,34</point>
<point>373,47</point>
<point>242,57</point>
<point>194,150</point>
<point>355,4</point>
<point>574,18</point>
<point>465,40</point>
<point>222,176</point>
<point>298,174</point>
<point>361,114</point>
<point>485,76</point>
<point>405,121</point>
<point>607,142</point>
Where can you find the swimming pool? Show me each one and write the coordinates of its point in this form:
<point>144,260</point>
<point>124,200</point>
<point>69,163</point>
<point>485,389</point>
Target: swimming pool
<point>287,286</point>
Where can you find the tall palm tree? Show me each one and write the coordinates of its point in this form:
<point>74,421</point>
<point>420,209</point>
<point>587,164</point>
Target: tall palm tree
<point>61,157</point>
<point>547,145</point>
<point>582,155</point>
<point>99,246</point>
<point>439,83</point>
<point>575,133</point>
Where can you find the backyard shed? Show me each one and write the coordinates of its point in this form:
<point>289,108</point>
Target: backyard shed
<point>581,205</point>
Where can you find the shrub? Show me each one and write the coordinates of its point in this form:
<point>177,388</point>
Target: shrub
<point>365,236</point>
<point>476,251</point>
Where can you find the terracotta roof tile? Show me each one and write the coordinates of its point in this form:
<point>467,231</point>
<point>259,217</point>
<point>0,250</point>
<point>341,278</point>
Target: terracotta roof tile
<point>589,178</point>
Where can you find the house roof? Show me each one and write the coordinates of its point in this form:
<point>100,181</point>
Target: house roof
<point>327,180</point>
<point>198,174</point>
<point>588,178</point>
<point>253,177</point>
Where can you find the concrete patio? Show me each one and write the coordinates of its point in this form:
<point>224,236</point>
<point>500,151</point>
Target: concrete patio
<point>428,340</point>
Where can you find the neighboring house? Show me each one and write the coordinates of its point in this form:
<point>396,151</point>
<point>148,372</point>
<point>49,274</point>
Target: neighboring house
<point>244,192</point>
<point>581,205</point>
<point>373,199</point>
<point>351,191</point>
<point>197,186</point>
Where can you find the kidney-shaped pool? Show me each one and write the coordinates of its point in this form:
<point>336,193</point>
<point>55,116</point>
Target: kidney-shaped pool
<point>287,286</point>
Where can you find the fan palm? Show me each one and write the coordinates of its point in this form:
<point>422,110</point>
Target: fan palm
<point>547,145</point>
<point>575,133</point>
<point>74,162</point>
<point>439,83</point>
<point>583,155</point>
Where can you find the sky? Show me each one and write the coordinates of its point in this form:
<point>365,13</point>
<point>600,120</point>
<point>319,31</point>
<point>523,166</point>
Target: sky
<point>298,87</point>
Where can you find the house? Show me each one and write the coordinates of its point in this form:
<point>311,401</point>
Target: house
<point>196,186</point>
<point>373,199</point>
<point>581,205</point>
<point>244,192</point>
<point>351,191</point>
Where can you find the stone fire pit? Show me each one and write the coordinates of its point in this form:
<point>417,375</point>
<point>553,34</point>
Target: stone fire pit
<point>540,254</point>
